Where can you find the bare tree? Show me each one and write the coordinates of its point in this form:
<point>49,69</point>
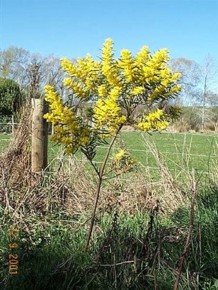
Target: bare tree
<point>13,65</point>
<point>207,97</point>
<point>30,70</point>
<point>190,80</point>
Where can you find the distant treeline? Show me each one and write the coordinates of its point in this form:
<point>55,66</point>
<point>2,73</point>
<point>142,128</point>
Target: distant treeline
<point>197,119</point>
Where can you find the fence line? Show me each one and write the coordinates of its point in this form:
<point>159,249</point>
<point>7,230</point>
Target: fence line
<point>58,158</point>
<point>11,124</point>
<point>145,167</point>
<point>133,149</point>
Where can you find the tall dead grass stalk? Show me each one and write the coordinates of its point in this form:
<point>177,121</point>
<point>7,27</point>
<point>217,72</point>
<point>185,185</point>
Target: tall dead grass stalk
<point>15,162</point>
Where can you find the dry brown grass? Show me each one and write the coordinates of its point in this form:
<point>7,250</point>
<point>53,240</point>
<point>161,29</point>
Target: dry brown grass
<point>129,193</point>
<point>72,188</point>
<point>15,162</point>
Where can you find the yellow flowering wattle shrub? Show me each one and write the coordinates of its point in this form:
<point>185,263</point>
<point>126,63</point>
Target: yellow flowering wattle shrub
<point>113,88</point>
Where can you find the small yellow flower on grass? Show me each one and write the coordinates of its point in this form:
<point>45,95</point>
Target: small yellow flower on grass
<point>122,162</point>
<point>120,154</point>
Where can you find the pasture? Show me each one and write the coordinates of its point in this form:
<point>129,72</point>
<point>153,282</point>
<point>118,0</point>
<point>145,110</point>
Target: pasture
<point>178,150</point>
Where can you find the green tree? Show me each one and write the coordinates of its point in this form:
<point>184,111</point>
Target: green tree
<point>10,97</point>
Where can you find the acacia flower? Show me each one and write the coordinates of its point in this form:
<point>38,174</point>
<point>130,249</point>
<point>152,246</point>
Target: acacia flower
<point>120,154</point>
<point>113,88</point>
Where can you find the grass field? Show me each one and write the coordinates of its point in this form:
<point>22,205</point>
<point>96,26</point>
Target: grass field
<point>130,248</point>
<point>4,141</point>
<point>195,151</point>
<point>179,151</point>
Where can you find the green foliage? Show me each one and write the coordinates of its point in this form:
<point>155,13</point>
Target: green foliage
<point>10,96</point>
<point>124,253</point>
<point>130,252</point>
<point>5,127</point>
<point>208,221</point>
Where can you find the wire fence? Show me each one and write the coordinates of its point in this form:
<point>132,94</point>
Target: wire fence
<point>180,150</point>
<point>8,125</point>
<point>175,159</point>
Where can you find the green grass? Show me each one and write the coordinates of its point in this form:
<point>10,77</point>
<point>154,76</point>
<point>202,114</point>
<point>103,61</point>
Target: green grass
<point>4,141</point>
<point>179,151</point>
<point>51,254</point>
<point>51,243</point>
<point>198,151</point>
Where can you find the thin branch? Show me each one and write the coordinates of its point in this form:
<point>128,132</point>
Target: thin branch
<point>100,179</point>
<point>94,166</point>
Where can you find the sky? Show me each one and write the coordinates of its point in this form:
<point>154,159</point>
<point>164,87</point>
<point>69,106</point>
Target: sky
<point>73,28</point>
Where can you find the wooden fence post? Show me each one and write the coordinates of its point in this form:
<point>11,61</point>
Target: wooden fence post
<point>39,150</point>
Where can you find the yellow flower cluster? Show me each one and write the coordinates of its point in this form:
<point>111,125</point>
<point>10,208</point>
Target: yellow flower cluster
<point>75,87</point>
<point>122,162</point>
<point>67,129</point>
<point>126,64</point>
<point>154,121</point>
<point>102,91</point>
<point>114,88</point>
<point>142,57</point>
<point>160,58</point>
<point>109,67</point>
<point>84,74</point>
<point>137,91</point>
<point>120,154</point>
<point>107,113</point>
<point>70,67</point>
